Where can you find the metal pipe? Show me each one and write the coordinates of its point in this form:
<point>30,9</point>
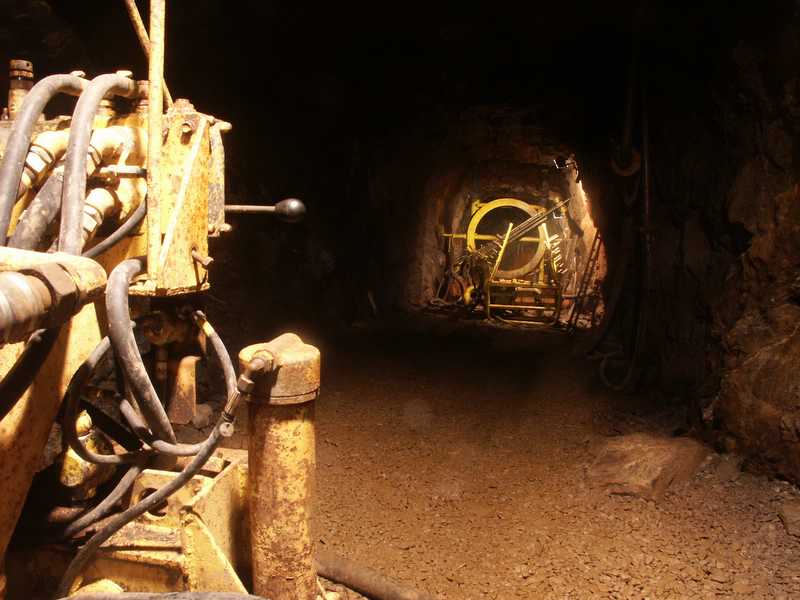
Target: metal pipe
<point>74,191</point>
<point>166,596</point>
<point>281,465</point>
<point>364,580</point>
<point>154,135</point>
<point>249,208</point>
<point>144,39</point>
<point>19,139</point>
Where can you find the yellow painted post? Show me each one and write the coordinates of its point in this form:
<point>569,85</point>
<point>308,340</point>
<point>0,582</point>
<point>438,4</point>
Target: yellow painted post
<point>282,464</point>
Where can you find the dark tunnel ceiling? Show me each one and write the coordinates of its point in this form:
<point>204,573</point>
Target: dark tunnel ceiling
<point>371,65</point>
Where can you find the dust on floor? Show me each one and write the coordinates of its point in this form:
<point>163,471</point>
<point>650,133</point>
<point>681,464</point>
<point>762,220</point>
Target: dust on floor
<point>457,464</point>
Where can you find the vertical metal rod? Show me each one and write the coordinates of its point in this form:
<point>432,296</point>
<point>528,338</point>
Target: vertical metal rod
<point>154,135</point>
<point>144,39</point>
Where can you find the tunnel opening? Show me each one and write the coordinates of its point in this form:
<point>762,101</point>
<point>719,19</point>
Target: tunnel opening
<point>511,241</point>
<point>457,417</point>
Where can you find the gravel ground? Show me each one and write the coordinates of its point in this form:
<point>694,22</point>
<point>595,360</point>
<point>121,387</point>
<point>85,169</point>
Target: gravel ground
<point>456,462</point>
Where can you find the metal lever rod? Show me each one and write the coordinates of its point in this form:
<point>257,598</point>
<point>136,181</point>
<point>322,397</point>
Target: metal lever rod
<point>290,210</point>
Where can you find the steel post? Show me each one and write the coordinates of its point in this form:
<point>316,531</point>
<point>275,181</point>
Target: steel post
<point>281,467</point>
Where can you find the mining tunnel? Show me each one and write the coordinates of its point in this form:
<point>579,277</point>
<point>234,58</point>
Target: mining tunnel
<point>540,290</point>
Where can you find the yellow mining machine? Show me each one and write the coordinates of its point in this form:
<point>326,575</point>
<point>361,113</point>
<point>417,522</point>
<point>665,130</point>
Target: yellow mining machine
<point>512,265</point>
<point>105,216</point>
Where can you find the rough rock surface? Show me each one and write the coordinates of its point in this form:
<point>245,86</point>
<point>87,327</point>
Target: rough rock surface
<point>645,465</point>
<point>790,516</point>
<point>758,315</point>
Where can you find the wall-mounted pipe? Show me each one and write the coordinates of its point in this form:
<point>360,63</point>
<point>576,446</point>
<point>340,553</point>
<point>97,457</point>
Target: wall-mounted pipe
<point>20,137</point>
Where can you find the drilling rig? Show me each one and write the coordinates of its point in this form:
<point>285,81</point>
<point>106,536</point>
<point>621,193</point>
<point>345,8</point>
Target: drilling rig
<point>105,217</point>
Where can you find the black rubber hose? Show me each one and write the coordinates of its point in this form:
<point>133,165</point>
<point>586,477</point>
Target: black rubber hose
<point>105,506</point>
<point>70,237</point>
<point>124,343</point>
<point>37,217</point>
<point>71,404</point>
<point>168,596</point>
<point>108,503</point>
<point>223,356</point>
<point>147,503</point>
<point>27,366</point>
<point>140,427</point>
<point>111,427</point>
<point>363,580</point>
<point>20,138</point>
<point>121,232</point>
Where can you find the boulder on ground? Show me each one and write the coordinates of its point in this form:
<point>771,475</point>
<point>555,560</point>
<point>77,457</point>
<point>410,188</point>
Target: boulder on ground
<point>790,516</point>
<point>645,465</point>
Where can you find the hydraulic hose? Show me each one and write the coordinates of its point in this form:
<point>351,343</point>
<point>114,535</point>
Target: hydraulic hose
<point>71,405</point>
<point>105,506</point>
<point>40,213</point>
<point>74,191</point>
<point>137,457</point>
<point>121,232</point>
<point>124,343</point>
<point>363,580</point>
<point>139,426</point>
<point>147,503</point>
<point>24,370</point>
<point>20,137</point>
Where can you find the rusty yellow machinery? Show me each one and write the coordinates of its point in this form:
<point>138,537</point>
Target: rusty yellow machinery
<point>511,266</point>
<point>105,216</point>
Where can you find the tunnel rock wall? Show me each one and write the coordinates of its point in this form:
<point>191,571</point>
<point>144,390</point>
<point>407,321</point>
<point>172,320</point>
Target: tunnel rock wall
<point>724,308</point>
<point>758,315</point>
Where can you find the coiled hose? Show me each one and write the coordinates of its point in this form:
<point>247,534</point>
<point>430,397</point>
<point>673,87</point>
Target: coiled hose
<point>206,449</point>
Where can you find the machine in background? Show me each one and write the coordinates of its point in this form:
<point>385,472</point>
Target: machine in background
<point>512,266</point>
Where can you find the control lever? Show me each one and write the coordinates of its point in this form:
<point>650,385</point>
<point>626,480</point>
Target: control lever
<point>290,210</point>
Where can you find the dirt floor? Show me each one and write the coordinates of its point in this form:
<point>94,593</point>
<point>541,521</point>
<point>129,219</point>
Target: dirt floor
<point>455,460</point>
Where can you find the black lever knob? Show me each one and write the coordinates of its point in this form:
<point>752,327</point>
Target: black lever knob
<point>290,210</point>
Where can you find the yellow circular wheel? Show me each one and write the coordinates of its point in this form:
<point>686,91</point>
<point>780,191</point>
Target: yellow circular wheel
<point>486,223</point>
